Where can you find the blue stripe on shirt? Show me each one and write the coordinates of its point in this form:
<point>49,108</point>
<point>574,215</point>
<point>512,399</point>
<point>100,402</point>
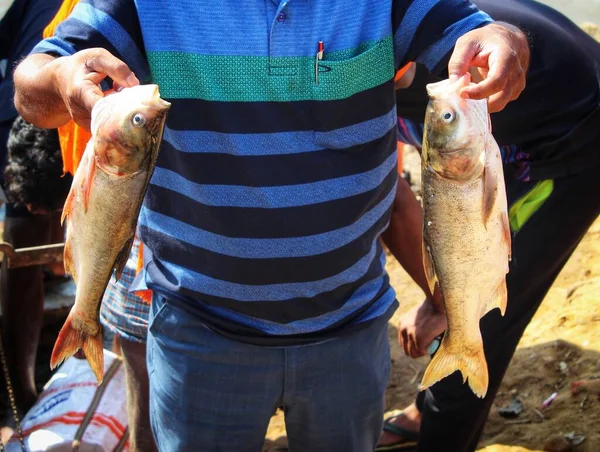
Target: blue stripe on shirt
<point>360,297</point>
<point>247,144</point>
<point>267,248</point>
<point>54,45</point>
<point>246,31</point>
<point>115,34</point>
<point>416,12</point>
<point>272,292</point>
<point>275,197</point>
<point>440,48</point>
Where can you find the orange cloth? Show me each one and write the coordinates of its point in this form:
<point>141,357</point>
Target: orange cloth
<point>402,71</point>
<point>73,138</point>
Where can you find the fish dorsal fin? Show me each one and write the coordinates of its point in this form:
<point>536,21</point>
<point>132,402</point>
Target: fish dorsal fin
<point>122,258</point>
<point>430,274</point>
<point>490,193</point>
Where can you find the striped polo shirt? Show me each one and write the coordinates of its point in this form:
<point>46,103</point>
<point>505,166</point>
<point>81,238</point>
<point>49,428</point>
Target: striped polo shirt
<point>277,170</point>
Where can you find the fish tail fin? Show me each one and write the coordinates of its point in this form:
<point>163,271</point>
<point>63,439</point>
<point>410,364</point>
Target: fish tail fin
<point>473,368</point>
<point>70,340</point>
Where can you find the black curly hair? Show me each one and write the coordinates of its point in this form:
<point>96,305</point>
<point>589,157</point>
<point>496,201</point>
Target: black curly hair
<point>33,176</point>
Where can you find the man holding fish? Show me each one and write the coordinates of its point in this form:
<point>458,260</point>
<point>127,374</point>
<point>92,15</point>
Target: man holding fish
<point>548,140</point>
<point>273,183</point>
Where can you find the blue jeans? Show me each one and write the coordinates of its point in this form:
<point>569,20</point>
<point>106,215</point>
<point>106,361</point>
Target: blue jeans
<point>211,393</point>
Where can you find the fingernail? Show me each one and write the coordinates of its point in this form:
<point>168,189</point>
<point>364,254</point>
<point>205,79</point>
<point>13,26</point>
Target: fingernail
<point>132,80</point>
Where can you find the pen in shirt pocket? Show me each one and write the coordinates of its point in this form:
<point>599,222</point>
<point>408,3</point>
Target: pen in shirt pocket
<point>318,57</point>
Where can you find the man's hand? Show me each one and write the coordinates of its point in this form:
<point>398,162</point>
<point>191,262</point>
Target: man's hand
<point>419,327</point>
<point>50,91</point>
<point>79,78</point>
<point>501,53</point>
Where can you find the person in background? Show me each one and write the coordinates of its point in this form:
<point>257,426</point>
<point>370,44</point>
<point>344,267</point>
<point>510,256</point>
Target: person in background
<point>261,224</point>
<point>22,290</point>
<point>549,142</point>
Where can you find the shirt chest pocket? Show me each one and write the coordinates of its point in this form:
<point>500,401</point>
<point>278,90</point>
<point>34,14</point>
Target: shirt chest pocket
<point>353,95</point>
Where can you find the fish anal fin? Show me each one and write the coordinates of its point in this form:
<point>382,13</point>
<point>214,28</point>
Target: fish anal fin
<point>73,337</point>
<point>445,362</point>
<point>428,266</point>
<point>122,258</point>
<point>497,300</point>
<point>490,193</point>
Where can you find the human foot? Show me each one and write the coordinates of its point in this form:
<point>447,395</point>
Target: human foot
<point>401,431</point>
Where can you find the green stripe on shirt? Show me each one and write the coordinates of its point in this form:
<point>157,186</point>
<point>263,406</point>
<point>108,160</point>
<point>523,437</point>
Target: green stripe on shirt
<point>219,78</point>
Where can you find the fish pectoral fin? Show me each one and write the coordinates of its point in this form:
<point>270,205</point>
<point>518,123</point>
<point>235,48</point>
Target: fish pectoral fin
<point>430,274</point>
<point>88,181</point>
<point>122,258</point>
<point>472,367</point>
<point>498,299</point>
<point>490,193</point>
<point>68,207</point>
<point>70,340</point>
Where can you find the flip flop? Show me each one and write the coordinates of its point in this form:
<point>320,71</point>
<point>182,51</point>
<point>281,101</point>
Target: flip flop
<point>408,441</point>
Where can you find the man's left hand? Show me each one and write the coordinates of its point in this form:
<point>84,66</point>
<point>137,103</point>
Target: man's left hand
<point>419,327</point>
<point>501,53</point>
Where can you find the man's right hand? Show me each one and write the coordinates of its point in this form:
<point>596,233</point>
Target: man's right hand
<point>80,75</point>
<point>49,91</point>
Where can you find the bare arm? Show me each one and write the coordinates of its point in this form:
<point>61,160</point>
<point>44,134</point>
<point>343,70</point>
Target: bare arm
<point>50,91</point>
<point>404,236</point>
<point>37,97</point>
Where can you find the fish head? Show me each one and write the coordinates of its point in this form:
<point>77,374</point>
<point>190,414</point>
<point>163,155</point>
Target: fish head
<point>456,131</point>
<point>127,127</point>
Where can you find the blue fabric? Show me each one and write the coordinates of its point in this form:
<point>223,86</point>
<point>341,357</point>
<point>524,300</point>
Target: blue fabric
<point>115,34</point>
<point>211,393</point>
<point>244,144</point>
<point>122,312</point>
<point>276,197</point>
<point>259,248</point>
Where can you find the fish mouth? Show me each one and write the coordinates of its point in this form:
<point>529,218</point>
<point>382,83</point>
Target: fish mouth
<point>156,101</point>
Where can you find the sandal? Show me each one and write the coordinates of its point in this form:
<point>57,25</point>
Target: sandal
<point>408,441</point>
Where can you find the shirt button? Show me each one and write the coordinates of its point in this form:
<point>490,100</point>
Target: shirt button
<point>281,17</point>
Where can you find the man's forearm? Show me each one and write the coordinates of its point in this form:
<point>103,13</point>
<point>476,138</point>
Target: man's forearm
<point>404,237</point>
<point>37,97</point>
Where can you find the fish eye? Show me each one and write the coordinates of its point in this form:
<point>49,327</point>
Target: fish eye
<point>138,120</point>
<point>447,116</point>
